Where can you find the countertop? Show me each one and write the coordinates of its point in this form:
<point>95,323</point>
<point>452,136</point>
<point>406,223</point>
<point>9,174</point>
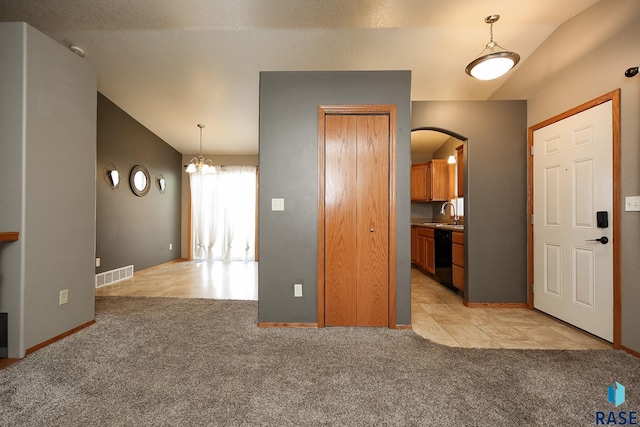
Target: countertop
<point>439,225</point>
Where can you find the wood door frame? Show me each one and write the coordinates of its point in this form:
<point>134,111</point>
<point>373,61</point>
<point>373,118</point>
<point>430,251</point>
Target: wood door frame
<point>613,96</point>
<point>392,111</point>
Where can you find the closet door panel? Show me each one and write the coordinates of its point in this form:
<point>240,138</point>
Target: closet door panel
<point>372,220</point>
<point>340,221</point>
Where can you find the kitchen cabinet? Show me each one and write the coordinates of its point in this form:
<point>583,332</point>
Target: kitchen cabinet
<point>414,245</point>
<point>460,169</point>
<point>425,249</point>
<point>419,182</point>
<point>430,181</point>
<point>457,259</point>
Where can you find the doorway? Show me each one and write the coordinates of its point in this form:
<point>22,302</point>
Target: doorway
<point>356,218</point>
<point>574,247</point>
<point>437,198</point>
<point>223,215</point>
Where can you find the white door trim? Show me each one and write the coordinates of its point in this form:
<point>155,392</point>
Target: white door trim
<point>613,96</point>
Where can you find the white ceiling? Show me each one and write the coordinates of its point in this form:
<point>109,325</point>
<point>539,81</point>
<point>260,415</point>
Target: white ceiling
<point>174,63</point>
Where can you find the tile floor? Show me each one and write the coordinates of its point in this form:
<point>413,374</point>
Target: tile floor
<point>437,312</point>
<point>192,279</point>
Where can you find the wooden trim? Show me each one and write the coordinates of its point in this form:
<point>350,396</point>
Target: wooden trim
<point>59,337</point>
<point>9,236</point>
<point>321,214</point>
<point>617,223</point>
<point>403,326</point>
<point>393,238</point>
<point>392,111</point>
<point>630,351</point>
<point>613,96</point>
<point>286,325</point>
<point>496,304</point>
<point>529,216</point>
<point>7,361</point>
<point>164,264</point>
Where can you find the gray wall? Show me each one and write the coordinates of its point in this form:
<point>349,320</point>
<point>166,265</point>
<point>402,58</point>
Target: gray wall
<point>47,186</point>
<point>585,58</point>
<point>289,169</point>
<point>495,193</point>
<point>132,230</point>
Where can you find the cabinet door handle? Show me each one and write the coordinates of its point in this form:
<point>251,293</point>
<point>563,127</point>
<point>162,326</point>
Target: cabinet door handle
<point>371,229</point>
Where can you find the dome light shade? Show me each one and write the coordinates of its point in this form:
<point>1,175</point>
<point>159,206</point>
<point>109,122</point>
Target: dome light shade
<point>494,61</point>
<point>493,65</point>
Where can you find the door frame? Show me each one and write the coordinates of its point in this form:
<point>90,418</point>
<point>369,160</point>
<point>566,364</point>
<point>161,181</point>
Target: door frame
<point>613,96</point>
<point>257,215</point>
<point>392,111</point>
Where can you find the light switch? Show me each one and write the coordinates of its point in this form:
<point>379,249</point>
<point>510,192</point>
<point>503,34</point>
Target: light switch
<point>297,290</point>
<point>632,203</point>
<point>277,204</point>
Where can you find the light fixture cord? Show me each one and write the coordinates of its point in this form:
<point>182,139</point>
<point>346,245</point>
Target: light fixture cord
<point>201,126</point>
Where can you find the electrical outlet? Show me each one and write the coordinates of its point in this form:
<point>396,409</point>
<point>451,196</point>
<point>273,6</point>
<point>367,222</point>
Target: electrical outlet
<point>64,297</point>
<point>297,290</point>
<point>97,262</point>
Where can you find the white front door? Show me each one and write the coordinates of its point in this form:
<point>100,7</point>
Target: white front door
<point>572,179</point>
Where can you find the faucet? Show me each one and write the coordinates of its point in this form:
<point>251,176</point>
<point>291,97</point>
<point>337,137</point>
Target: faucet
<point>455,216</point>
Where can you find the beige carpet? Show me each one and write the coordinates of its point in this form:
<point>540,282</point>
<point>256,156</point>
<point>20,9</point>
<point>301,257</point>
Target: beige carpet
<point>165,362</point>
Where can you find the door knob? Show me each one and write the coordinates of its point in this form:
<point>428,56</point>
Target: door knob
<point>604,240</point>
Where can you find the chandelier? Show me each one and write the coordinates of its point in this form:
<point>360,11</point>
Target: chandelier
<point>200,164</point>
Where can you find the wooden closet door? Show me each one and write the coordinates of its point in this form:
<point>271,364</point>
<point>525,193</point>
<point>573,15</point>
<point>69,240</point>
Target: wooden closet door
<point>340,220</point>
<point>356,220</point>
<point>373,220</point>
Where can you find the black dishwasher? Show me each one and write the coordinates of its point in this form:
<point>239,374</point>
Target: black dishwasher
<point>442,240</point>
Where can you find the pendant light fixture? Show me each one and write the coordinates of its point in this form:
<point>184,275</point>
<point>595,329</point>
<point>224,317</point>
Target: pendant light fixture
<point>200,164</point>
<point>494,61</point>
<point>452,159</point>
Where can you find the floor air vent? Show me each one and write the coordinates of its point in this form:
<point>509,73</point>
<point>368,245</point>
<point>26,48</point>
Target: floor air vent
<point>113,276</point>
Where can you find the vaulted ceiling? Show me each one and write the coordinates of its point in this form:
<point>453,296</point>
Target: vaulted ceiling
<point>174,63</point>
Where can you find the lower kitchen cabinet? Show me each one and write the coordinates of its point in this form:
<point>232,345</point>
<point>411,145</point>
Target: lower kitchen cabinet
<point>423,247</point>
<point>414,245</point>
<point>457,259</point>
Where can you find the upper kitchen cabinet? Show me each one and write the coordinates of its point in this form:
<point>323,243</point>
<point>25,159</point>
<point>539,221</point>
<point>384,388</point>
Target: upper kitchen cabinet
<point>430,181</point>
<point>419,182</point>
<point>460,169</point>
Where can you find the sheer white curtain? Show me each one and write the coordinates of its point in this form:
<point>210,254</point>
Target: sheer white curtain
<point>223,213</point>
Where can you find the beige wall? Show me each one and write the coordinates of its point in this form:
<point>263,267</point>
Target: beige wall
<point>585,58</point>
